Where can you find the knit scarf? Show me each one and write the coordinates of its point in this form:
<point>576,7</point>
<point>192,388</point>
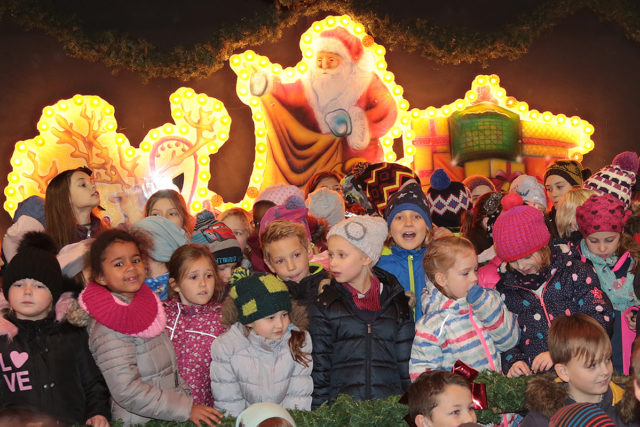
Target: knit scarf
<point>613,273</point>
<point>143,317</point>
<point>369,301</point>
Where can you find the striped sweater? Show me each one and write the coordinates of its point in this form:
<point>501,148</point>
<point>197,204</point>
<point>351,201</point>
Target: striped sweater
<point>473,330</point>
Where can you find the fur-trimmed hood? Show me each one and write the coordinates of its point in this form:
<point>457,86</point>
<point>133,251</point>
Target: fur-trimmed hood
<point>298,314</point>
<point>545,395</point>
<point>62,307</point>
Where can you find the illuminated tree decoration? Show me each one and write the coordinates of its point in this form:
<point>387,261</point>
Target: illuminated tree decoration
<point>82,131</point>
<point>248,63</point>
<point>544,136</point>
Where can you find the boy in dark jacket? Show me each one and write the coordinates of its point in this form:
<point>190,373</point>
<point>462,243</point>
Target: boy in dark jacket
<point>287,250</point>
<point>581,352</point>
<point>361,325</point>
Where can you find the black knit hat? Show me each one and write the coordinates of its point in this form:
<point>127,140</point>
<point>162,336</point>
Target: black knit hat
<point>448,200</point>
<point>258,296</point>
<point>35,260</point>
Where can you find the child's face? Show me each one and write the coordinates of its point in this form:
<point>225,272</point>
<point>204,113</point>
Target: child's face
<point>165,208</point>
<point>455,407</point>
<point>239,229</point>
<point>123,271</point>
<point>82,191</point>
<point>197,283</point>
<point>225,271</point>
<point>556,187</point>
<point>408,229</point>
<point>288,258</point>
<point>528,265</point>
<point>30,299</point>
<point>272,327</point>
<point>331,183</point>
<point>603,243</point>
<point>586,383</point>
<point>347,263</point>
<point>479,191</point>
<point>461,277</point>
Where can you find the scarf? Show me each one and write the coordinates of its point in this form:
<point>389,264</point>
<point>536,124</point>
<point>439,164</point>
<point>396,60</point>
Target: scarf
<point>143,317</point>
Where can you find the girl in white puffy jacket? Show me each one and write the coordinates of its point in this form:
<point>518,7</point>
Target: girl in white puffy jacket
<point>263,357</point>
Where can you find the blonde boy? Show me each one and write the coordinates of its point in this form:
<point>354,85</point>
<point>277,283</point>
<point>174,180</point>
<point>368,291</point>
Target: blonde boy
<point>287,250</point>
<point>581,352</point>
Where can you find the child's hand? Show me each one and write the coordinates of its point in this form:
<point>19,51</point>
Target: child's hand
<point>517,369</point>
<point>204,414</point>
<point>97,421</point>
<point>631,319</point>
<point>542,362</point>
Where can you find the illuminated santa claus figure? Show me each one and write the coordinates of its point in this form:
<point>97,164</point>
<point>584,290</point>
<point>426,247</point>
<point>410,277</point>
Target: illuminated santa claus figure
<point>331,117</point>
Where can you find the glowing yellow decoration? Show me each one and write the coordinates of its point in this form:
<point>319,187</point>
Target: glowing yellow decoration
<point>81,131</point>
<point>249,61</point>
<point>544,135</point>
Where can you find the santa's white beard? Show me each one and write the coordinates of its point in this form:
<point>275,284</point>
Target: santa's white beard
<point>339,88</point>
<point>329,87</point>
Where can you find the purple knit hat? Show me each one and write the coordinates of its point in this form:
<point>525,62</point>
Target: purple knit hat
<point>520,229</point>
<point>293,209</point>
<point>601,213</point>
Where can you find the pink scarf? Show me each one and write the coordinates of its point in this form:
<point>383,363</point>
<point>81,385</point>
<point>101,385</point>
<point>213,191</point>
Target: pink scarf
<point>143,317</point>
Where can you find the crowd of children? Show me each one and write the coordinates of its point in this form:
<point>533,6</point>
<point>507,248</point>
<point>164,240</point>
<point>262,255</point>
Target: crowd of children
<point>365,285</point>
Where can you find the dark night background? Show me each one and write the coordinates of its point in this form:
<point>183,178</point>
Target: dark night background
<point>583,67</point>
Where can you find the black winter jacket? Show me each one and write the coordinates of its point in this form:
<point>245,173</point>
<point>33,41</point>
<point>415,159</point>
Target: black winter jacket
<point>47,368</point>
<point>364,359</point>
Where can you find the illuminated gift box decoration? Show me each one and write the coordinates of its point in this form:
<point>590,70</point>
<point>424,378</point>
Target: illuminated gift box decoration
<point>82,131</point>
<point>541,139</point>
<point>269,113</point>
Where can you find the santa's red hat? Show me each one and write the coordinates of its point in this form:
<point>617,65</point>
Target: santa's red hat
<point>340,42</point>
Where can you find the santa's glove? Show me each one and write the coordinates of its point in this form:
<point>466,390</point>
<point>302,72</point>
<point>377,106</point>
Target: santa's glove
<point>258,83</point>
<point>359,137</point>
<point>339,122</point>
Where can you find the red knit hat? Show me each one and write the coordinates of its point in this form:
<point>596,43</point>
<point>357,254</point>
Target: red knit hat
<point>520,229</point>
<point>602,213</point>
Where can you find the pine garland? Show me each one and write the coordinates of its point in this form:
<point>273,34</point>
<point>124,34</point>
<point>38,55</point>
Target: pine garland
<point>444,45</point>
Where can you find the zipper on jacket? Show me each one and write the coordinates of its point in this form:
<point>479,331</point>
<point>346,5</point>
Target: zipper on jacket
<point>368,364</point>
<point>412,285</point>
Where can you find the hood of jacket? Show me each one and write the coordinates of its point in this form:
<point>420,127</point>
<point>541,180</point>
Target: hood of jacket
<point>298,314</point>
<point>433,301</point>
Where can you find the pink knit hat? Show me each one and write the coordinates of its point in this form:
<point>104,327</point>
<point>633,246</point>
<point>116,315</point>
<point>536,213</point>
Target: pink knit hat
<point>278,193</point>
<point>602,213</point>
<point>293,209</point>
<point>520,229</point>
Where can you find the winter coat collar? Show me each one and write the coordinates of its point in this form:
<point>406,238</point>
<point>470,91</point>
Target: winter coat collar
<point>388,282</point>
<point>254,340</point>
<point>191,310</point>
<point>404,253</point>
<point>434,301</point>
<point>142,317</point>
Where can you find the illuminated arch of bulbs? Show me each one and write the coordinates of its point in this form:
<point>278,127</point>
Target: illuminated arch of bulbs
<point>82,131</point>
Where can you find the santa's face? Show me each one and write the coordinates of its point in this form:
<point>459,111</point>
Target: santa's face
<point>327,61</point>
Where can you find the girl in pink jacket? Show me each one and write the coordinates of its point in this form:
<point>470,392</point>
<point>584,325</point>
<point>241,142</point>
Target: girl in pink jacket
<point>194,317</point>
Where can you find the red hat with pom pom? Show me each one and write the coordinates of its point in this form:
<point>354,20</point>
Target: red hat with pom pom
<point>520,229</point>
<point>617,178</point>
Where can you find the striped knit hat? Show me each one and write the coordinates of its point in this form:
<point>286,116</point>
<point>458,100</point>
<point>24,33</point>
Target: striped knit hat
<point>618,178</point>
<point>570,170</point>
<point>581,415</point>
<point>258,295</point>
<point>380,180</point>
<point>448,200</point>
<point>520,229</point>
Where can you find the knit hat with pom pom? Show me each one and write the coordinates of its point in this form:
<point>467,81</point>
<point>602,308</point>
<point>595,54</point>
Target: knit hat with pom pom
<point>602,213</point>
<point>448,200</point>
<point>36,259</point>
<point>617,178</point>
<point>520,229</point>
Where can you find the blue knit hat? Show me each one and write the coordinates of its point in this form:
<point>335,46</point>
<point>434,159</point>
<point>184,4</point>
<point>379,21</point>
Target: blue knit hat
<point>410,197</point>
